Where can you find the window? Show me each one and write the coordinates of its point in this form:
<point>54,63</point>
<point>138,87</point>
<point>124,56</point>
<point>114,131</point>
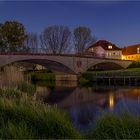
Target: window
<point>109,47</point>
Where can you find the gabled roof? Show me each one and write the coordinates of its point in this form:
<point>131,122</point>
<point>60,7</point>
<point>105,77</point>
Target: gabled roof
<point>128,50</point>
<point>104,44</point>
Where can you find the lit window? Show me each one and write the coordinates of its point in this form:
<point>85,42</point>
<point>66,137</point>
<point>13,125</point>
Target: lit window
<point>109,47</point>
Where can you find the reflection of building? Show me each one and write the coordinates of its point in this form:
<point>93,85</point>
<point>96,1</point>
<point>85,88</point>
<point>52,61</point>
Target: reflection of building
<point>131,52</point>
<point>103,48</point>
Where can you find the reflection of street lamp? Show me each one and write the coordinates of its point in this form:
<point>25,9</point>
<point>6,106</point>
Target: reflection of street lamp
<point>111,101</point>
<point>122,57</point>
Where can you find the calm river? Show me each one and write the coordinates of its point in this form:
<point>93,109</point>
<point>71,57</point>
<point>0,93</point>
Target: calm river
<point>86,104</point>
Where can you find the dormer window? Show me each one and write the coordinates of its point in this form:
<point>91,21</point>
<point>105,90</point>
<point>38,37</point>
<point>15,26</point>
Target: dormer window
<point>109,47</point>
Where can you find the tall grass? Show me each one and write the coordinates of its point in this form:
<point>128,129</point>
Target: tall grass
<point>29,119</point>
<point>23,117</point>
<point>111,126</point>
<point>10,93</point>
<point>27,88</point>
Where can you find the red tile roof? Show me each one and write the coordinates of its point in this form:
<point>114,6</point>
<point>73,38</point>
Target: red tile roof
<point>104,44</point>
<point>130,49</point>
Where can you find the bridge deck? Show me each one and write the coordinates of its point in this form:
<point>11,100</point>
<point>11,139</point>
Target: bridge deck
<point>64,55</point>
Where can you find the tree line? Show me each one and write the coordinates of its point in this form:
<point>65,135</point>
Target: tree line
<point>56,39</point>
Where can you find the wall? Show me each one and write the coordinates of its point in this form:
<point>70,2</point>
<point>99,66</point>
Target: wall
<point>114,54</point>
<point>98,50</point>
<point>134,57</point>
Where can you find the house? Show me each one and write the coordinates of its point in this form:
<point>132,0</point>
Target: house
<point>131,52</point>
<point>105,49</point>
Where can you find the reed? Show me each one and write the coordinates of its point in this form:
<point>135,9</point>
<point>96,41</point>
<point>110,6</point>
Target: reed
<point>111,126</point>
<point>30,119</point>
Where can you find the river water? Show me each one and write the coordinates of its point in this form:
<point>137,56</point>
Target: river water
<point>83,104</point>
<point>86,104</point>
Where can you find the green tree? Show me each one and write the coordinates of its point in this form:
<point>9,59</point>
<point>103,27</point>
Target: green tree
<point>12,36</point>
<point>3,43</point>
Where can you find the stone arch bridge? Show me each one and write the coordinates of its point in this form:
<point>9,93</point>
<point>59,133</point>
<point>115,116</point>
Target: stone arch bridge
<point>72,64</point>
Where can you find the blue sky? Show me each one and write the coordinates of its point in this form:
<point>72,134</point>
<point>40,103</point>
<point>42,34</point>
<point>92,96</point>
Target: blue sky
<point>115,21</point>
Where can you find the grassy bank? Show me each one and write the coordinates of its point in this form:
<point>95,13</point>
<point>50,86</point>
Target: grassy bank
<point>111,126</point>
<point>90,75</point>
<point>23,117</point>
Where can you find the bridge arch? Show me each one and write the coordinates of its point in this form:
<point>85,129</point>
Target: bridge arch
<point>105,65</point>
<point>55,66</point>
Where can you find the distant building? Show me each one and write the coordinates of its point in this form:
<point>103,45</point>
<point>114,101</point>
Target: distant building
<point>105,49</point>
<point>131,52</point>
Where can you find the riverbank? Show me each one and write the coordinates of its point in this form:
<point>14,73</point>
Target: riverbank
<point>41,75</point>
<point>112,126</point>
<point>91,76</point>
<point>24,117</point>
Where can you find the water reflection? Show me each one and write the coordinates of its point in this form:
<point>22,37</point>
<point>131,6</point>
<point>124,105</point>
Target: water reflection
<point>111,101</point>
<point>66,83</point>
<point>86,105</point>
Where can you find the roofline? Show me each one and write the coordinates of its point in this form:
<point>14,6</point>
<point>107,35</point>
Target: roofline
<point>132,45</point>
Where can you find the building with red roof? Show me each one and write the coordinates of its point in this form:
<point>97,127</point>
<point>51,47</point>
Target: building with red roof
<point>131,52</point>
<point>105,49</point>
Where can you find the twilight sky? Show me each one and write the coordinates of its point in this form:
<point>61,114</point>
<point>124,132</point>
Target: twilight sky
<point>115,21</point>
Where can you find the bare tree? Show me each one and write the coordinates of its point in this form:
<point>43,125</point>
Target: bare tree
<point>55,39</point>
<point>32,42</point>
<point>82,39</point>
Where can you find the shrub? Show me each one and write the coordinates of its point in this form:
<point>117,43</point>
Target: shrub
<point>42,76</point>
<point>135,64</point>
<point>83,81</point>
